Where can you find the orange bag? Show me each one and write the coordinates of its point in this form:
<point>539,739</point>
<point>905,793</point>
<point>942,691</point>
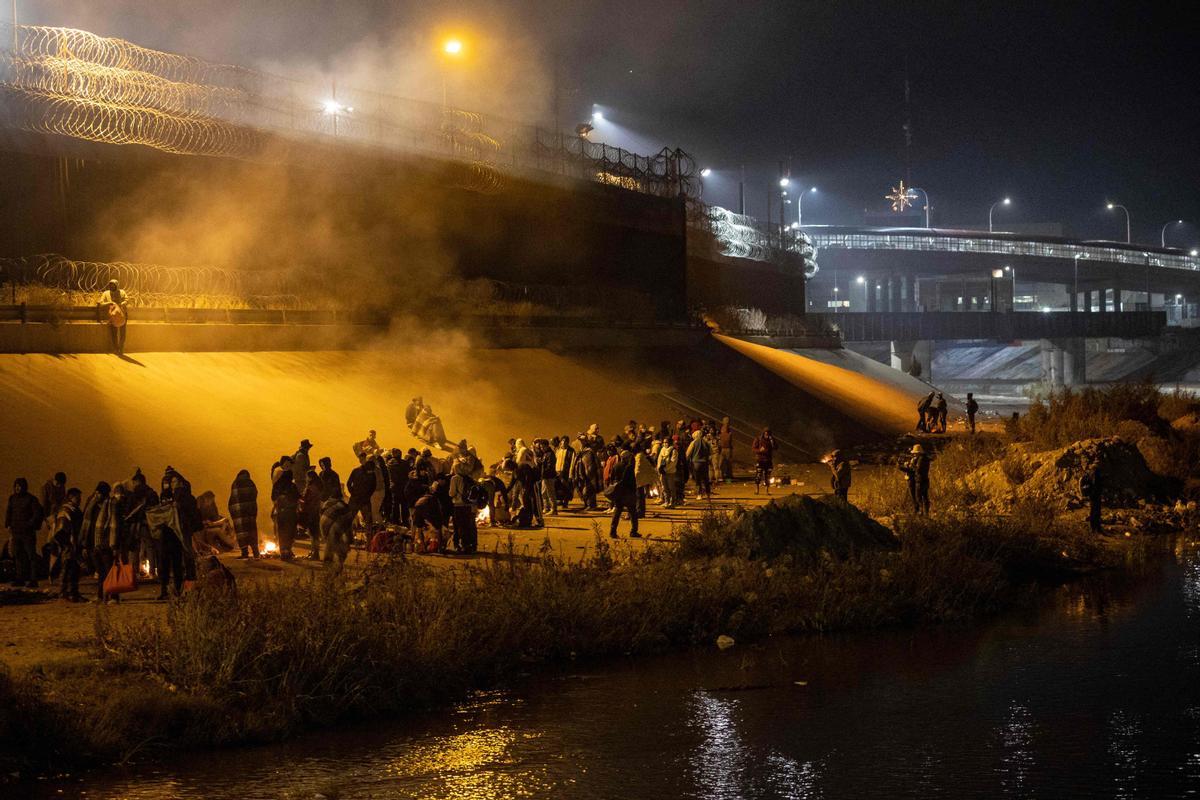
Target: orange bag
<point>120,579</point>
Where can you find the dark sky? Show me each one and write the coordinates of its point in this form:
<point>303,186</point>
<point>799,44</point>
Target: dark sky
<point>1061,105</point>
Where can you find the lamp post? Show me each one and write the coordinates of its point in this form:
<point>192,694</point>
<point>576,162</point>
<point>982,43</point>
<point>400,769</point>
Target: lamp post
<point>926,194</point>
<point>1163,236</point>
<point>1075,285</point>
<point>1005,202</point>
<point>800,207</point>
<point>453,49</point>
<point>1111,206</point>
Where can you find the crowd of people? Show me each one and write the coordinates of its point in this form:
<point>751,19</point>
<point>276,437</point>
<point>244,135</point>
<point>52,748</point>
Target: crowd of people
<point>411,499</point>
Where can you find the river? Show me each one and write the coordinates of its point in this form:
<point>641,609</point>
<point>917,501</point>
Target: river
<point>1094,692</point>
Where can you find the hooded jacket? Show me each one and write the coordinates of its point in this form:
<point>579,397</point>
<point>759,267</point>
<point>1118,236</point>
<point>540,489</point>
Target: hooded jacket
<point>24,513</point>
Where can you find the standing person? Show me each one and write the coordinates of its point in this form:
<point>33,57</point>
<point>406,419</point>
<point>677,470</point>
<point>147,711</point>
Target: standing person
<point>285,500</point>
<point>187,512</point>
<point>68,525</point>
<point>109,538</point>
<point>564,461</point>
<point>923,412</point>
<point>397,475</point>
<point>698,454</point>
<point>548,472</point>
<point>90,530</point>
<point>54,494</point>
<point>916,471</point>
<point>466,534</point>
<point>645,475</point>
<point>972,410</point>
<point>622,493</point>
<point>23,518</point>
<point>137,500</point>
<point>1091,486</point>
<point>310,512</point>
<point>587,473</point>
<point>681,467</point>
<point>725,445</point>
<point>764,459</point>
<point>331,482</point>
<point>361,486</point>
<point>243,510</point>
<point>840,479</point>
<point>940,408</point>
<point>114,306</point>
<point>668,462</point>
<point>301,463</point>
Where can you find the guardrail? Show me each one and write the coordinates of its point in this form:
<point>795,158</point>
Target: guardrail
<point>915,325</point>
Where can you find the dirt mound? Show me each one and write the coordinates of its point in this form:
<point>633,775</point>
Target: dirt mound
<point>1188,423</point>
<point>1052,476</point>
<point>804,526</point>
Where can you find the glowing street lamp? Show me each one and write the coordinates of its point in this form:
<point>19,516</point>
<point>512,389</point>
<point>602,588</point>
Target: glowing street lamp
<point>704,173</point>
<point>1005,202</point>
<point>1111,206</point>
<point>1163,236</point>
<point>926,194</point>
<point>452,47</point>
<point>784,182</point>
<point>800,206</point>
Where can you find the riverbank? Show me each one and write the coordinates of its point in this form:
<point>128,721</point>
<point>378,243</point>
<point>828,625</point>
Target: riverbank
<point>313,650</point>
<point>281,657</point>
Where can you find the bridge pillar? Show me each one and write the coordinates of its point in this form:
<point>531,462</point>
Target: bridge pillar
<point>1052,363</point>
<point>1074,301</point>
<point>910,293</point>
<point>914,358</point>
<point>1116,299</point>
<point>1074,365</point>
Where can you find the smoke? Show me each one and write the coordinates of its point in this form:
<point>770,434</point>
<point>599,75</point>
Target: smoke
<point>395,51</point>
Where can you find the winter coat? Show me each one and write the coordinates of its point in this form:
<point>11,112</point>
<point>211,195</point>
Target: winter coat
<point>764,450</point>
<point>333,485</point>
<point>699,452</point>
<point>300,465</point>
<point>91,520</point>
<point>243,509</point>
<point>24,513</point>
<point>667,459</point>
<point>623,488</point>
<point>564,459</point>
<point>361,483</point>
<point>645,472</point>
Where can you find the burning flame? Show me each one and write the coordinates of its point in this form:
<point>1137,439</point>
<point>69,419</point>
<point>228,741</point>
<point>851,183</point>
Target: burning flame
<point>774,481</point>
<point>484,517</point>
<point>654,491</point>
<point>269,547</point>
<point>146,567</point>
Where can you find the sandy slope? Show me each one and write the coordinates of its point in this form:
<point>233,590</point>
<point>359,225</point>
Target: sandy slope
<point>96,417</point>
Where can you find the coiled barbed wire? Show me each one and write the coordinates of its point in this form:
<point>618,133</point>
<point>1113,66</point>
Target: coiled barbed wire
<point>58,272</point>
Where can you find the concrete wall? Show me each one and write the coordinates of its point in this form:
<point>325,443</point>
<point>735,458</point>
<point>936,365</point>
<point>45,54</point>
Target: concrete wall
<point>150,337</point>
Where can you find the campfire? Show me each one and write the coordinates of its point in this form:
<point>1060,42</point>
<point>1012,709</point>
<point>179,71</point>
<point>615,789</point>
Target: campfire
<point>484,516</point>
<point>269,548</point>
<point>145,567</point>
<point>654,491</point>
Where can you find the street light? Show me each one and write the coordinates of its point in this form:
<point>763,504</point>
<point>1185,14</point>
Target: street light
<point>704,173</point>
<point>453,47</point>
<point>800,206</point>
<point>922,191</point>
<point>1163,236</point>
<point>1005,202</point>
<point>1111,206</point>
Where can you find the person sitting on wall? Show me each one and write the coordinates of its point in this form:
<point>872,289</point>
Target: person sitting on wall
<point>114,306</point>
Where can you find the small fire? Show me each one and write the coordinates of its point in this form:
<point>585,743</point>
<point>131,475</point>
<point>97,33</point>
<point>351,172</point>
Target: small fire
<point>269,547</point>
<point>146,567</point>
<point>484,517</point>
<point>654,491</point>
<point>774,481</point>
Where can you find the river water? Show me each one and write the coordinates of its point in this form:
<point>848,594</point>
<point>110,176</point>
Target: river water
<point>1093,693</point>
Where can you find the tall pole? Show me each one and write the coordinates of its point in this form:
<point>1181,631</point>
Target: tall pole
<point>926,194</point>
<point>14,19</point>
<point>742,192</point>
<point>1163,236</point>
<point>1128,238</point>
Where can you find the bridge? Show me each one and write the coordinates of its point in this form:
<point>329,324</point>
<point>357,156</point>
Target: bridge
<point>930,269</point>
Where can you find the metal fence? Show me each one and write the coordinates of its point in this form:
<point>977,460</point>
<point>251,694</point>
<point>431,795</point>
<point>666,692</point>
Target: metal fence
<point>944,325</point>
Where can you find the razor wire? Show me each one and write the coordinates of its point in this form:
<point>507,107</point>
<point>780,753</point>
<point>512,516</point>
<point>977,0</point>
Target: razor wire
<point>145,281</point>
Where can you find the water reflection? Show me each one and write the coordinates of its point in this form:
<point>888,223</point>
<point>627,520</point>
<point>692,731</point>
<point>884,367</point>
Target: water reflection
<point>1016,750</point>
<point>1127,761</point>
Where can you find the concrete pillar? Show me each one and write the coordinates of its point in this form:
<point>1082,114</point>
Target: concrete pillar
<point>1044,349</point>
<point>910,293</point>
<point>1074,362</point>
<point>872,294</point>
<point>1087,301</point>
<point>1116,300</point>
<point>1074,301</point>
<point>1103,297</point>
<point>1056,367</point>
<point>913,358</point>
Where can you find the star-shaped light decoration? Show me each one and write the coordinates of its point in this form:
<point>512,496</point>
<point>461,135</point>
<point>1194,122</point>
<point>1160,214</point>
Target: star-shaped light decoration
<point>901,198</point>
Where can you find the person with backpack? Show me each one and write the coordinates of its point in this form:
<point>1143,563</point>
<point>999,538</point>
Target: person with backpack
<point>68,525</point>
<point>462,492</point>
<point>668,462</point>
<point>699,453</point>
<point>923,412</point>
<point>622,492</point>
<point>916,472</point>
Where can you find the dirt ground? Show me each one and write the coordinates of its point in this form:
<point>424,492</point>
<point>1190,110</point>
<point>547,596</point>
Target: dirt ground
<point>37,629</point>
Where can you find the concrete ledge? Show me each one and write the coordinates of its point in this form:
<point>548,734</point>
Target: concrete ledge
<point>152,337</point>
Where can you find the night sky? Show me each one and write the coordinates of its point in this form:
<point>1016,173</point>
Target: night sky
<point>1060,105</point>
